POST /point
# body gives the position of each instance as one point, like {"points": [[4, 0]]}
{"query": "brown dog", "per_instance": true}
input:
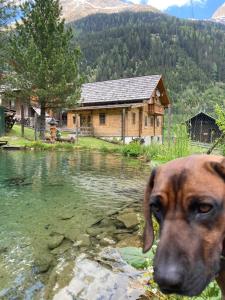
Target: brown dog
{"points": [[187, 198]]}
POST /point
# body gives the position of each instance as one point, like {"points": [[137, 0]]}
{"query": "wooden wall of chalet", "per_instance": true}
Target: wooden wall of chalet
{"points": [[151, 125]]}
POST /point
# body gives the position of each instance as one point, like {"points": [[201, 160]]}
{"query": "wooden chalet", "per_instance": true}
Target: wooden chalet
{"points": [[124, 109], [21, 107], [203, 128]]}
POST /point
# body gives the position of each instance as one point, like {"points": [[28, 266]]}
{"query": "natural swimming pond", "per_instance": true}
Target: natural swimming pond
{"points": [[47, 197]]}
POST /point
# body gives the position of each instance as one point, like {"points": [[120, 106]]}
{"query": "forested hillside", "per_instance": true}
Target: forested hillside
{"points": [[190, 54]]}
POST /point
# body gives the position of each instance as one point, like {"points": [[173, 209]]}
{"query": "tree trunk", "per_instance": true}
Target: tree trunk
{"points": [[60, 118], [42, 123], [22, 120]]}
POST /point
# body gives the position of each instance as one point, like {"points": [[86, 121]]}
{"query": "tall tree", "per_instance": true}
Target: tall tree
{"points": [[41, 53], [7, 11]]}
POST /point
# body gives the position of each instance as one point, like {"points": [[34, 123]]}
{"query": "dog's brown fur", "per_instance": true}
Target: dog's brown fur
{"points": [[187, 197]]}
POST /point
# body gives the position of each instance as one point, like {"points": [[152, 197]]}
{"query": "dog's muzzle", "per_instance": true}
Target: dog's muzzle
{"points": [[174, 278]]}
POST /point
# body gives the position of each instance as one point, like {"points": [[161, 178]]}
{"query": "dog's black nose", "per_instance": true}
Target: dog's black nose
{"points": [[169, 278]]}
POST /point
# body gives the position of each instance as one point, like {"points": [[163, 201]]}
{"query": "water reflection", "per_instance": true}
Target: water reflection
{"points": [[38, 188]]}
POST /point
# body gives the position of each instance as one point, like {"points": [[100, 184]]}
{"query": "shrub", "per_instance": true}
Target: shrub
{"points": [[132, 149], [153, 151]]}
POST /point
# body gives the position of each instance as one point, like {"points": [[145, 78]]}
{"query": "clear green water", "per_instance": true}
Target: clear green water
{"points": [[38, 188]]}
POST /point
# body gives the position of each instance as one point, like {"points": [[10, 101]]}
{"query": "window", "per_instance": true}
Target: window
{"points": [[82, 120], [146, 121], [158, 121], [74, 120], [102, 118], [133, 118], [89, 120], [151, 121]]}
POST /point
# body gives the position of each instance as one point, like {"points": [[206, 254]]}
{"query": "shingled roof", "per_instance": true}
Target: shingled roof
{"points": [[122, 90]]}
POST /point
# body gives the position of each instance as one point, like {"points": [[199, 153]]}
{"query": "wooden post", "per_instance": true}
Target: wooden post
{"points": [[123, 124], [154, 127], [200, 132], [169, 124], [77, 128], [22, 120], [42, 122], [140, 122], [60, 118], [35, 127]]}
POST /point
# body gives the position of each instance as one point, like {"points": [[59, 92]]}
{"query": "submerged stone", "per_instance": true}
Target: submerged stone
{"points": [[129, 220], [42, 263], [102, 235], [55, 241], [84, 240], [3, 249], [107, 242], [30, 292], [93, 231], [62, 248], [72, 234], [66, 216], [132, 241]]}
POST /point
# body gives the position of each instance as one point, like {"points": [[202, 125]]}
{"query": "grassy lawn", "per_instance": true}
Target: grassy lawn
{"points": [[14, 136], [156, 153], [93, 143], [14, 139]]}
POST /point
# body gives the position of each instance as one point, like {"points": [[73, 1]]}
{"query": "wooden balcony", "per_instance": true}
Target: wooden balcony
{"points": [[155, 109]]}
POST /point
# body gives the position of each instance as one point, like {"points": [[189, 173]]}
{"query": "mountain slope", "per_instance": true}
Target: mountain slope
{"points": [[190, 54], [77, 9], [219, 15]]}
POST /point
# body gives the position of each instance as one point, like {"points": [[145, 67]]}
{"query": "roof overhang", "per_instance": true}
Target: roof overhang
{"points": [[164, 98], [114, 106], [200, 113]]}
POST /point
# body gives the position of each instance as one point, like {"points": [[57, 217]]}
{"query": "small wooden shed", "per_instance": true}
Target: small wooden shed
{"points": [[203, 128]]}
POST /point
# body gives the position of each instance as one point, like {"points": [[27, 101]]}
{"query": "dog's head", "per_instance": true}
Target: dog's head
{"points": [[187, 198]]}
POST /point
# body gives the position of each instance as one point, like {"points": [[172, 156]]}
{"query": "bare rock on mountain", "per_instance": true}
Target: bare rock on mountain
{"points": [[219, 14], [77, 9]]}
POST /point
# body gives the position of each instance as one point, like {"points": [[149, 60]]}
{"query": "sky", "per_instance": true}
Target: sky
{"points": [[194, 9], [164, 4], [198, 9]]}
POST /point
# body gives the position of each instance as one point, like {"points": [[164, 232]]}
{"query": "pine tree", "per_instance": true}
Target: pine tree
{"points": [[7, 11], [41, 53]]}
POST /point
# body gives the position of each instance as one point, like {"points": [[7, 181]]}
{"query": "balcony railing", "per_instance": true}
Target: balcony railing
{"points": [[85, 130]]}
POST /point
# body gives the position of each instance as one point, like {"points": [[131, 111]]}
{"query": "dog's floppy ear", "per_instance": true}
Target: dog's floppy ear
{"points": [[219, 168], [148, 230]]}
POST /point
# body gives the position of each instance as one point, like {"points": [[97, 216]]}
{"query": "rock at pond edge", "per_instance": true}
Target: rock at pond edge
{"points": [[130, 220]]}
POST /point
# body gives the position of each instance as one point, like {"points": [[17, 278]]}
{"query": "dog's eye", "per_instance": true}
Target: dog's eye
{"points": [[155, 207], [204, 208]]}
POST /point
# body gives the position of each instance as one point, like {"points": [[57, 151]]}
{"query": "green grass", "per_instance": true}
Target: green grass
{"points": [[14, 136], [93, 143], [14, 139], [156, 153]]}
